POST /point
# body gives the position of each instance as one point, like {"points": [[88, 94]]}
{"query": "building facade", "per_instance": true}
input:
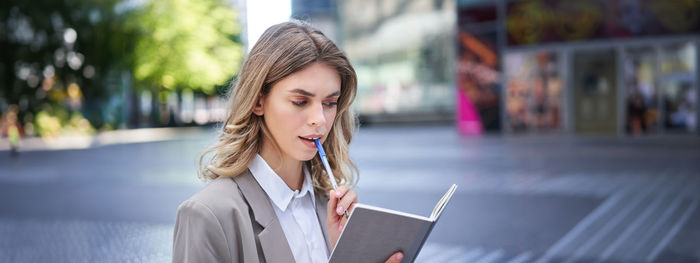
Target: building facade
{"points": [[589, 66]]}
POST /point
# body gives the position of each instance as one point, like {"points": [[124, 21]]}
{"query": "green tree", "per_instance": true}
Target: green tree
{"points": [[186, 44], [57, 50]]}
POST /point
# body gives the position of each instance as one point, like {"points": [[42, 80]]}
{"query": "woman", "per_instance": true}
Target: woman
{"points": [[269, 199]]}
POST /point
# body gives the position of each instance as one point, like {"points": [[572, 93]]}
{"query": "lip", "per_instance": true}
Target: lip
{"points": [[310, 144]]}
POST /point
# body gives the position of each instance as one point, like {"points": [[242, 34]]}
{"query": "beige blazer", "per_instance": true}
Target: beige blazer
{"points": [[232, 220]]}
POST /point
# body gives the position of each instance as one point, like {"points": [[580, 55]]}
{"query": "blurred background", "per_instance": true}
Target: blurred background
{"points": [[571, 127]]}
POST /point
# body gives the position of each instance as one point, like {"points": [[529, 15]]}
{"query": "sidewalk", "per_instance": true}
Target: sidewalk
{"points": [[103, 138]]}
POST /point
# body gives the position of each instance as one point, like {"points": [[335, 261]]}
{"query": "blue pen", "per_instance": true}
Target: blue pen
{"points": [[324, 159]]}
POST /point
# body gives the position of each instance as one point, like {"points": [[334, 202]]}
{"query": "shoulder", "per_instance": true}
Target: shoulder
{"points": [[218, 196], [205, 222]]}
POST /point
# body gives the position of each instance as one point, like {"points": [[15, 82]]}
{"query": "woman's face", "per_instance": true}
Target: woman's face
{"points": [[300, 107]]}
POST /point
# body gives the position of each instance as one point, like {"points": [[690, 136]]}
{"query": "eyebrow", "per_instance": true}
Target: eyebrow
{"points": [[309, 94]]}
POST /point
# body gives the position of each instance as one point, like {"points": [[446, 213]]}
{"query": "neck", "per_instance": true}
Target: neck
{"points": [[285, 167]]}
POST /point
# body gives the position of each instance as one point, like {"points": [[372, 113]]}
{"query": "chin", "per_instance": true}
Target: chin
{"points": [[305, 156]]}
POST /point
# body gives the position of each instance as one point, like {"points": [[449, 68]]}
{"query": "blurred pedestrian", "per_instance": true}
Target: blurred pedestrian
{"points": [[13, 130], [269, 199], [636, 112]]}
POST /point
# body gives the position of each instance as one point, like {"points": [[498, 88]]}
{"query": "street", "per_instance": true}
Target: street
{"points": [[544, 198]]}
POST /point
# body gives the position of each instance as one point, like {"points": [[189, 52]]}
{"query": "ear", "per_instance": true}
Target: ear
{"points": [[259, 109]]}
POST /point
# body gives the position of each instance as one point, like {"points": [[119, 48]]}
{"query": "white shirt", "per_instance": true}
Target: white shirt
{"points": [[295, 211]]}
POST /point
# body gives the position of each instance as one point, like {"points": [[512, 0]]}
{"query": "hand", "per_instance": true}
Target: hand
{"points": [[395, 258], [340, 200]]}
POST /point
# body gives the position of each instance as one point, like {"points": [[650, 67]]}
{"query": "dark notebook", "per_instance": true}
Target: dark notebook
{"points": [[373, 234]]}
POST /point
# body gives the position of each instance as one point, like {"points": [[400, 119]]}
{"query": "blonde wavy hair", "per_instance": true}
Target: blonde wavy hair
{"points": [[284, 49]]}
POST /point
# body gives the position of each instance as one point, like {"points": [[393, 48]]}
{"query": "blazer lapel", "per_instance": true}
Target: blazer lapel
{"points": [[321, 212], [272, 239]]}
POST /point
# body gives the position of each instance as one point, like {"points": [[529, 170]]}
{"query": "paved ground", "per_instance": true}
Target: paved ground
{"points": [[520, 198]]}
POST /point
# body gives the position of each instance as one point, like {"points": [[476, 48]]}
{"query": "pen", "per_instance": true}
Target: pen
{"points": [[324, 159]]}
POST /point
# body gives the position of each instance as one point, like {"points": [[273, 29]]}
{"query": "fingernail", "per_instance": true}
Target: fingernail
{"points": [[338, 194], [333, 192], [339, 210], [399, 256]]}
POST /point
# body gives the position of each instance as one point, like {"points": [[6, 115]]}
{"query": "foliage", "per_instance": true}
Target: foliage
{"points": [[186, 43], [54, 121], [89, 45]]}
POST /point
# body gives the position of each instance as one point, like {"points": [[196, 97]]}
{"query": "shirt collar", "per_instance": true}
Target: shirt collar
{"points": [[278, 191]]}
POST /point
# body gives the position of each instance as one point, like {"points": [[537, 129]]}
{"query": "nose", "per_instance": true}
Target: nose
{"points": [[317, 116]]}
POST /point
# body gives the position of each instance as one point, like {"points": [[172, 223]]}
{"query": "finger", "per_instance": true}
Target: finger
{"points": [[341, 190], [343, 220], [352, 206], [395, 258], [349, 198], [332, 202]]}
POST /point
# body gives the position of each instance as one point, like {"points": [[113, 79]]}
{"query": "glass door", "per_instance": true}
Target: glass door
{"points": [[679, 87], [595, 91], [641, 92]]}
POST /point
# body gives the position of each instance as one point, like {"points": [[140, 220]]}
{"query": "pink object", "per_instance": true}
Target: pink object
{"points": [[468, 121]]}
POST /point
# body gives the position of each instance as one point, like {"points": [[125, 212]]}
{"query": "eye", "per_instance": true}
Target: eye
{"points": [[330, 104], [299, 102]]}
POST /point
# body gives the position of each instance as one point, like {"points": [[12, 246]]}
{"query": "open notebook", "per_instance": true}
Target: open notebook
{"points": [[373, 234]]}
